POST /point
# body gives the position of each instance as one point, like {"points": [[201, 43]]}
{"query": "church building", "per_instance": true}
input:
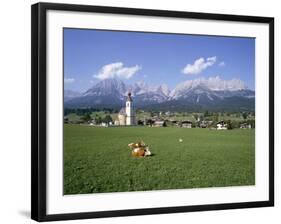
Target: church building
{"points": [[127, 115]]}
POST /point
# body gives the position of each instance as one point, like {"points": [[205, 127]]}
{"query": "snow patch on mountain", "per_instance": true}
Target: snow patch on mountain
{"points": [[107, 87], [210, 84], [143, 88]]}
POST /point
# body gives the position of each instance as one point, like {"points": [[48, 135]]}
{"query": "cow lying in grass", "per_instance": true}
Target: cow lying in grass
{"points": [[139, 149]]}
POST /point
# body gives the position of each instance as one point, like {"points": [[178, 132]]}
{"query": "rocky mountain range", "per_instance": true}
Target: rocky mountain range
{"points": [[192, 95]]}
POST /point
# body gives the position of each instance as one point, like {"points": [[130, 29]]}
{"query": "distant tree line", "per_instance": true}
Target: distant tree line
{"points": [[97, 119], [84, 111]]}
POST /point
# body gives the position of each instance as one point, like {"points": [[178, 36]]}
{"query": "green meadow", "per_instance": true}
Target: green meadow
{"points": [[98, 159]]}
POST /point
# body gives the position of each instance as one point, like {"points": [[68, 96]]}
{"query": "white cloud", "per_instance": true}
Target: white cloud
{"points": [[117, 70], [199, 65], [69, 80], [222, 64]]}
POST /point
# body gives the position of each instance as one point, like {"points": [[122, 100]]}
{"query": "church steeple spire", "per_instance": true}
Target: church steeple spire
{"points": [[129, 97], [130, 114]]}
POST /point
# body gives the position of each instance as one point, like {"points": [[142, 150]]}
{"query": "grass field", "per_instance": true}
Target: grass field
{"points": [[99, 160]]}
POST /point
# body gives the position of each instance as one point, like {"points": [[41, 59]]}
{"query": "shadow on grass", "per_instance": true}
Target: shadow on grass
{"points": [[152, 155]]}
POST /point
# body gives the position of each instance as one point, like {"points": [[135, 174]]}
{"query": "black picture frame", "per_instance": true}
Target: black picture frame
{"points": [[38, 108]]}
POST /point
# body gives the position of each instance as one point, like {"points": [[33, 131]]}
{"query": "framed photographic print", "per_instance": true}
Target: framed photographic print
{"points": [[139, 111]]}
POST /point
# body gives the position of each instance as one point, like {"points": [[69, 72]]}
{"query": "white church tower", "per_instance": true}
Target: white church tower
{"points": [[130, 114]]}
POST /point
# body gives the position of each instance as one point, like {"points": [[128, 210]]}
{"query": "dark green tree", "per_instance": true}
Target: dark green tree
{"points": [[229, 125], [98, 119], [86, 117], [149, 122], [206, 114], [251, 122], [215, 117], [235, 124], [107, 119], [244, 115]]}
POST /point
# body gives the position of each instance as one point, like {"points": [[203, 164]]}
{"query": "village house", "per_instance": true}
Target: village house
{"points": [[221, 125], [245, 126], [168, 113], [92, 122], [186, 124], [204, 124], [159, 124], [103, 124]]}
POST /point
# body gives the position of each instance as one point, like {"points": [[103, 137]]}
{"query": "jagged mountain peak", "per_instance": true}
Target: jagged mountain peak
{"points": [[107, 87], [163, 88], [143, 88], [207, 85], [201, 92]]}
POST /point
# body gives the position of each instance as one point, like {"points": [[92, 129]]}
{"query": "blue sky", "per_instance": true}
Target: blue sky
{"points": [[93, 55]]}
